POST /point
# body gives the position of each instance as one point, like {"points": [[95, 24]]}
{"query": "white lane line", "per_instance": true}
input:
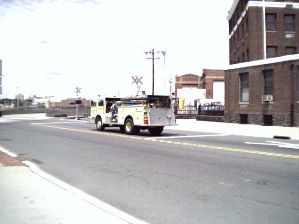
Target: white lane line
{"points": [[28, 118], [7, 121], [8, 152], [79, 194], [74, 120], [274, 143], [59, 122], [189, 136]]}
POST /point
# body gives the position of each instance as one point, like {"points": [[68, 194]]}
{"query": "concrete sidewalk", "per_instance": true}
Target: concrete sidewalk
{"points": [[236, 129], [28, 197]]}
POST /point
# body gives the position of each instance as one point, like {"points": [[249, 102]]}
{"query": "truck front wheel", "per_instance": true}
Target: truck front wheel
{"points": [[130, 129], [156, 130]]}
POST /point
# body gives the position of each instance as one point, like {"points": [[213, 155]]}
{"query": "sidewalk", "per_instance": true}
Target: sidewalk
{"points": [[26, 197], [236, 129]]}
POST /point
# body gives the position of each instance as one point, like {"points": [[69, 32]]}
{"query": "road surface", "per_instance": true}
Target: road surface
{"points": [[179, 177]]}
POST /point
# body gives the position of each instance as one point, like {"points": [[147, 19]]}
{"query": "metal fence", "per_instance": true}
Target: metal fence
{"points": [[211, 109], [53, 111]]}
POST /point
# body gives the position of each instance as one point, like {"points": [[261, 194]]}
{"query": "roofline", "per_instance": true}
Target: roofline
{"points": [[264, 61], [271, 4], [186, 75], [232, 9], [213, 71]]}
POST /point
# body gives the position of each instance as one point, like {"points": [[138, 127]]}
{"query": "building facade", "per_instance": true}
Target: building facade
{"points": [[262, 29], [0, 77], [212, 81], [187, 81], [262, 82], [263, 92], [70, 101]]}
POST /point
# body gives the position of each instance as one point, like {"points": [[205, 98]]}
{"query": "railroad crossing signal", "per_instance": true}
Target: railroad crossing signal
{"points": [[138, 82], [78, 91]]}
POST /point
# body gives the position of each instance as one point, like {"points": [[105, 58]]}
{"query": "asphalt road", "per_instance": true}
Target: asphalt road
{"points": [[180, 177]]}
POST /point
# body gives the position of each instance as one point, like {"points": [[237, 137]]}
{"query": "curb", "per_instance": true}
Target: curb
{"points": [[91, 200]]}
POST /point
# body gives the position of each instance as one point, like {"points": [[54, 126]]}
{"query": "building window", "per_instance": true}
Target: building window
{"points": [[289, 23], [246, 23], [242, 30], [247, 52], [268, 82], [297, 84], [291, 50], [243, 118], [267, 120], [271, 51], [271, 22], [244, 87]]}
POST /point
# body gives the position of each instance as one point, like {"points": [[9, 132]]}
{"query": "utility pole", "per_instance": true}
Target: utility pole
{"points": [[18, 97], [152, 57]]}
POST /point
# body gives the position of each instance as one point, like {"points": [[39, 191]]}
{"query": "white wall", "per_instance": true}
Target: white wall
{"points": [[191, 94], [218, 91]]}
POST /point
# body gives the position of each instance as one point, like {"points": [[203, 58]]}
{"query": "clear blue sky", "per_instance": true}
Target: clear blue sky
{"points": [[50, 47]]}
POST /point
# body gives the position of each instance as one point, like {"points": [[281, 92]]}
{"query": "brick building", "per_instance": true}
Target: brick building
{"points": [[263, 92], [188, 80], [259, 30], [0, 77], [213, 82], [70, 101], [262, 82]]}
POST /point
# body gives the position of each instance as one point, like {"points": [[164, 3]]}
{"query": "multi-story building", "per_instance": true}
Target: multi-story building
{"points": [[262, 29], [262, 82]]}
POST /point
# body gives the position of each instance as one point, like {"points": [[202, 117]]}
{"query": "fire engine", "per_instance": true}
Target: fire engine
{"points": [[152, 112]]}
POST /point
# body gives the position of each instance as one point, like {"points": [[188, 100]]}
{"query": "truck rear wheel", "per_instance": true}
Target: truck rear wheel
{"points": [[156, 130], [99, 124], [130, 128]]}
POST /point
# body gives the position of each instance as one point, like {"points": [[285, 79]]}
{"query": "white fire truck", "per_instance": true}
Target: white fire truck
{"points": [[131, 115]]}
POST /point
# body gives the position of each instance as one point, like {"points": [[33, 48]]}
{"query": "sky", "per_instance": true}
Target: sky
{"points": [[50, 47]]}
